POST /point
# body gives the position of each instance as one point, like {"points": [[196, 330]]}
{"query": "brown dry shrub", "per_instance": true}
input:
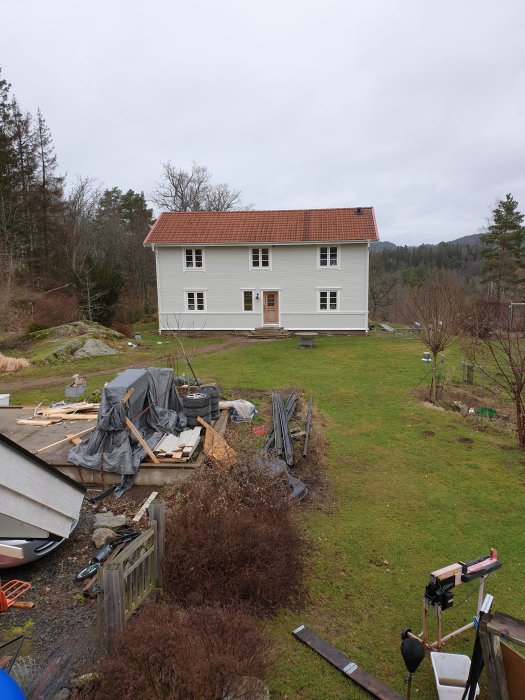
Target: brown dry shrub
{"points": [[170, 653], [56, 308], [232, 538], [12, 364], [123, 328]]}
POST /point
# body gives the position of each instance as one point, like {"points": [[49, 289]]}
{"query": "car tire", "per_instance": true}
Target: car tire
{"points": [[194, 412], [195, 401], [194, 423]]}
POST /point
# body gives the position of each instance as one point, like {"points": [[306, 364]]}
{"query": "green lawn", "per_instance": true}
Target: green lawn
{"points": [[414, 500], [404, 490]]}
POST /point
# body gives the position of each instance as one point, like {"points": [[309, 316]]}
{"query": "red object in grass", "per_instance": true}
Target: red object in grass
{"points": [[10, 591], [258, 429]]}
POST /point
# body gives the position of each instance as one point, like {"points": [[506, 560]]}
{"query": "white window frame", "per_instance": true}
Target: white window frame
{"points": [[328, 291], [260, 267], [328, 266], [187, 292], [193, 268], [243, 292]]}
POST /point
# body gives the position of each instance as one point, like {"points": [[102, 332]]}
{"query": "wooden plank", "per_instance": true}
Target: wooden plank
{"points": [[514, 671], [74, 416], [142, 442], [144, 506], [351, 670], [157, 514], [490, 644], [66, 439], [37, 421], [113, 602], [509, 627]]}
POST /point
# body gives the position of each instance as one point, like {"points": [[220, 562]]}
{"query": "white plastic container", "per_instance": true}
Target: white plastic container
{"points": [[451, 673], [4, 399]]}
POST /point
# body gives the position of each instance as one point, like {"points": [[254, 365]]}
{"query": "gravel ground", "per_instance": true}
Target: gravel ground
{"points": [[61, 628]]}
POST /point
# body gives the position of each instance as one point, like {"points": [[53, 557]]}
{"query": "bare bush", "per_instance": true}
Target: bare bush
{"points": [[231, 538], [170, 653], [56, 308], [12, 364]]}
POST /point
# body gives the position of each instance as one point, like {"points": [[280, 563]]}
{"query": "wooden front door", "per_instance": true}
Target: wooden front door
{"points": [[270, 307]]}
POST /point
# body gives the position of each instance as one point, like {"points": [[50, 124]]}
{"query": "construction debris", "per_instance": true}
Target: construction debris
{"points": [[61, 412], [216, 446]]}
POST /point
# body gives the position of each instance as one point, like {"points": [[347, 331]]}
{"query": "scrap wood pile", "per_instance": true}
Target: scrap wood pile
{"points": [[62, 412]]}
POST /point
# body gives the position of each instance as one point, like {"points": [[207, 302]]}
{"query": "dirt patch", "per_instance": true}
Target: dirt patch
{"points": [[429, 433], [465, 440]]}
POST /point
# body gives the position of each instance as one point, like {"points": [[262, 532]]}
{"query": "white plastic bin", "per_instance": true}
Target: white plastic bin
{"points": [[451, 673], [4, 399]]}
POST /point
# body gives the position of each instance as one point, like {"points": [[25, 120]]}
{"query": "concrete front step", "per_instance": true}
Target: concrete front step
{"points": [[269, 333]]}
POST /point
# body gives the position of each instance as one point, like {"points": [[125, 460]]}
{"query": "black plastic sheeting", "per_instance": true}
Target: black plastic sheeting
{"points": [[154, 408]]}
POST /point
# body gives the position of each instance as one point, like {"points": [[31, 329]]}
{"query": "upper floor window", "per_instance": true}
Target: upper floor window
{"points": [[193, 259], [259, 258], [328, 256], [196, 301]]}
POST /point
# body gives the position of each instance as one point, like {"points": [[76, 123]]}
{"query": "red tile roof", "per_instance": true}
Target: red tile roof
{"points": [[293, 226]]}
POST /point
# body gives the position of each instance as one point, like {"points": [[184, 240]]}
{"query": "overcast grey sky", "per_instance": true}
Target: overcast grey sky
{"points": [[414, 107]]}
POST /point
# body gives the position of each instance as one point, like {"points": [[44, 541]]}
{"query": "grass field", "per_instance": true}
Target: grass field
{"points": [[408, 494]]}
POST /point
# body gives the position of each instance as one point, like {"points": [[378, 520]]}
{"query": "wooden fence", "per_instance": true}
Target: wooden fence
{"points": [[131, 576]]}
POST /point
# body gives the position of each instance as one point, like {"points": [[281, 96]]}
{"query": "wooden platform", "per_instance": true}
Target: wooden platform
{"points": [[34, 437]]}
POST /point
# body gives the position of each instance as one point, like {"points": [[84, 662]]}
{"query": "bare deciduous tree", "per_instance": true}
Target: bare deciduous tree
{"points": [[500, 356], [439, 307], [180, 190]]}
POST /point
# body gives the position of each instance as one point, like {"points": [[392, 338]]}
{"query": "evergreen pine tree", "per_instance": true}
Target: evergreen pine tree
{"points": [[503, 249]]}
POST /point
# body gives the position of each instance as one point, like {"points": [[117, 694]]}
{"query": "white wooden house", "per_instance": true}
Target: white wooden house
{"points": [[302, 270]]}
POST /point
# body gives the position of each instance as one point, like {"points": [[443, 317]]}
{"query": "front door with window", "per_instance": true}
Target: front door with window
{"points": [[270, 308]]}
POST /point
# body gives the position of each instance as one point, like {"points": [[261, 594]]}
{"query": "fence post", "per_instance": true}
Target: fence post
{"points": [[114, 601], [157, 513]]}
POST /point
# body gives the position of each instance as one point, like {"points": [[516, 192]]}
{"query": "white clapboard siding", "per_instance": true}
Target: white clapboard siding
{"points": [[36, 494], [10, 527], [294, 273]]}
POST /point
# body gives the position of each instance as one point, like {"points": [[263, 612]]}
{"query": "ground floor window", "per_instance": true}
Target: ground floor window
{"points": [[247, 300], [328, 300], [196, 301]]}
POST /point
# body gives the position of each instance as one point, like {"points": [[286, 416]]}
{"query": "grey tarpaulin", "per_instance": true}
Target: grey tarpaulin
{"points": [[154, 407]]}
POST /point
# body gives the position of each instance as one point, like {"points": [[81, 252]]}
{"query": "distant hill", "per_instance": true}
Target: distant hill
{"points": [[376, 246], [473, 240]]}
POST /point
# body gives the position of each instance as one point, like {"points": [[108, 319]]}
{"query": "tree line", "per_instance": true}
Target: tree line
{"points": [[74, 236], [493, 268]]}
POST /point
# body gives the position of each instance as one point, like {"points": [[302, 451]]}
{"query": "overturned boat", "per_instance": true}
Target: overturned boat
{"points": [[39, 506]]}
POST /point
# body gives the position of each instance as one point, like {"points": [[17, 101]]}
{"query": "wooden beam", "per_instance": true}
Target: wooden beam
{"points": [[490, 644], [153, 495], [342, 663], [509, 627], [142, 442], [68, 437]]}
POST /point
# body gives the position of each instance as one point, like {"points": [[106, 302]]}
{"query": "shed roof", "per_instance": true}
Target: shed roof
{"points": [[281, 226]]}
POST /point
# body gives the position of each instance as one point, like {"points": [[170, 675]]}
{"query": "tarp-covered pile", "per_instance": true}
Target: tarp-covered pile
{"points": [[153, 407]]}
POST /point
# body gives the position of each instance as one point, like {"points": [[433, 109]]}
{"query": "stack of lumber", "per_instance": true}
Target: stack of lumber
{"points": [[57, 414], [178, 448]]}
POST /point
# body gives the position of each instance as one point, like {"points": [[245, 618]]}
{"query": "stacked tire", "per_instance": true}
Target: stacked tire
{"points": [[196, 405], [214, 392]]}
